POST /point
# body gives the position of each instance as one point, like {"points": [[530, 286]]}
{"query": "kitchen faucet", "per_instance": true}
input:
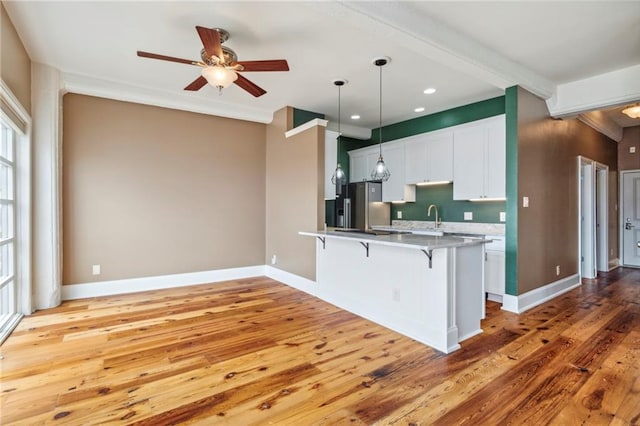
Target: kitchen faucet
{"points": [[437, 221]]}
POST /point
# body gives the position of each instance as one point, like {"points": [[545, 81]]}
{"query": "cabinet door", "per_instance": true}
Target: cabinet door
{"points": [[357, 167], [330, 162], [468, 162], [494, 279], [496, 158], [415, 163], [440, 157], [395, 188]]}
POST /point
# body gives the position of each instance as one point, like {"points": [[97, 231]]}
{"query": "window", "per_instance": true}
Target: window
{"points": [[8, 285], [15, 211]]}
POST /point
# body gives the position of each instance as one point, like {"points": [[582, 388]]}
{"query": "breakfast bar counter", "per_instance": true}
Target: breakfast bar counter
{"points": [[429, 288]]}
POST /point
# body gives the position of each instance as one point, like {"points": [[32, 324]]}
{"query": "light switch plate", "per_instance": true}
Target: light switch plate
{"points": [[399, 214], [525, 201], [632, 149], [503, 216], [468, 215]]}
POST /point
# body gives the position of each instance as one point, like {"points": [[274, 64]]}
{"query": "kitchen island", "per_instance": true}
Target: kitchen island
{"points": [[429, 288]]}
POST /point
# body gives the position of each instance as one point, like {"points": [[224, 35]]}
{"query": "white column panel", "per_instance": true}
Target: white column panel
{"points": [[47, 235]]}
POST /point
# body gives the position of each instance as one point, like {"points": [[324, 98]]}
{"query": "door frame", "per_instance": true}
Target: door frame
{"points": [[598, 190], [621, 215], [602, 216]]}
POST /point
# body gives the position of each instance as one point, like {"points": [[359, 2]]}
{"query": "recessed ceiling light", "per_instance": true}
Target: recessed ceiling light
{"points": [[429, 91], [419, 109], [355, 117]]}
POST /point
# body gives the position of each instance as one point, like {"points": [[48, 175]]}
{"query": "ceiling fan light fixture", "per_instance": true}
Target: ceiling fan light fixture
{"points": [[219, 76], [632, 111]]}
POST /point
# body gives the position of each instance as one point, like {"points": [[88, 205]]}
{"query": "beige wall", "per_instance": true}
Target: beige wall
{"points": [[547, 174], [15, 65], [295, 194], [152, 191], [626, 159]]}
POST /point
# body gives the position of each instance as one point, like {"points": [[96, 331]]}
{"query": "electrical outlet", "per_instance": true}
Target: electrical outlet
{"points": [[557, 270], [468, 215], [274, 259], [395, 294], [399, 214], [632, 149], [95, 269], [503, 216], [525, 201]]}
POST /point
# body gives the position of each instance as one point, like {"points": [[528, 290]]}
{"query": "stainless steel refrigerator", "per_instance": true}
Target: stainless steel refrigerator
{"points": [[363, 206]]}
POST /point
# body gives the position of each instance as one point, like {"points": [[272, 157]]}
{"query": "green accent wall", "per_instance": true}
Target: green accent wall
{"points": [[450, 210], [441, 195], [511, 228], [301, 116]]}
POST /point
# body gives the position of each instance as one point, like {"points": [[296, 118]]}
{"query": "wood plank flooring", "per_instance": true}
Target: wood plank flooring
{"points": [[255, 351]]}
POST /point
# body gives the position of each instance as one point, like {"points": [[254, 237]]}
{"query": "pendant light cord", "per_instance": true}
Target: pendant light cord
{"points": [[338, 145], [380, 121]]}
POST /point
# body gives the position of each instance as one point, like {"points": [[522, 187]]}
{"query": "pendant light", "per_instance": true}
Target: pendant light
{"points": [[338, 177], [380, 172]]}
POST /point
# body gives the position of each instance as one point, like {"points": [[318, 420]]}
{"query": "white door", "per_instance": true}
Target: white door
{"points": [[602, 217], [587, 221], [631, 219]]}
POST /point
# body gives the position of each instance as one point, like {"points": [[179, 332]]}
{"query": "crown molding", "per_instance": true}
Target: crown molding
{"points": [[597, 92], [306, 126], [350, 131], [603, 124], [91, 86]]}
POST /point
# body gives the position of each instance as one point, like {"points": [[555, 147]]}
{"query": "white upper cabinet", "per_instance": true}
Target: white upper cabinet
{"points": [[395, 189], [330, 163], [479, 158], [361, 163], [429, 157], [496, 158]]}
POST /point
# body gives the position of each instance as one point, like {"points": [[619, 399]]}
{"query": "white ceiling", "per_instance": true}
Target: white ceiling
{"points": [[469, 51]]}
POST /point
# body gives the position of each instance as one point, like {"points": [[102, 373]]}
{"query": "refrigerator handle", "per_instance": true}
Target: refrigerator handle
{"points": [[347, 213]]}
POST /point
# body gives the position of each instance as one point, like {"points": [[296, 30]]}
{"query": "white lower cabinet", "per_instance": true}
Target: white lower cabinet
{"points": [[494, 268]]}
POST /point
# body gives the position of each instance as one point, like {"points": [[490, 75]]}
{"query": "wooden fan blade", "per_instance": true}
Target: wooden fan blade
{"points": [[211, 42], [166, 58], [249, 86], [269, 65], [197, 84]]}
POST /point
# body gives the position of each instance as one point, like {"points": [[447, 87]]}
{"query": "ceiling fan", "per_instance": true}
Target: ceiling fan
{"points": [[220, 65]]}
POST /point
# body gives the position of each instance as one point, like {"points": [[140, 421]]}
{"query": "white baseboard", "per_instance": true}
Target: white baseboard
{"points": [[292, 280], [613, 264], [494, 297], [134, 285], [519, 304]]}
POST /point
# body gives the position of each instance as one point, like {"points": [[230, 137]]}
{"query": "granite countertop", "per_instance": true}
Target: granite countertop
{"points": [[421, 242], [470, 228]]}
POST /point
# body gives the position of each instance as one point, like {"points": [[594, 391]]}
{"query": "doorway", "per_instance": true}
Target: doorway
{"points": [[593, 217], [630, 218]]}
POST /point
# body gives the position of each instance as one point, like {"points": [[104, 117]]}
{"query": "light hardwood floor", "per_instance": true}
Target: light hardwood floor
{"points": [[255, 351]]}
